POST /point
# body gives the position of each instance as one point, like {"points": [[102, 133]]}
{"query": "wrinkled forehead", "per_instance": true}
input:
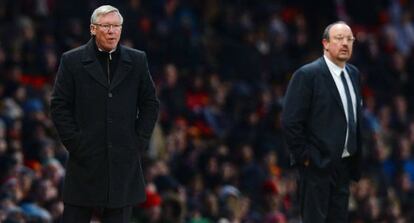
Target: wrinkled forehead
{"points": [[340, 30], [109, 17]]}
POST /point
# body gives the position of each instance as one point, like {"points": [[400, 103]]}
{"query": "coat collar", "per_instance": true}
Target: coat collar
{"points": [[91, 64]]}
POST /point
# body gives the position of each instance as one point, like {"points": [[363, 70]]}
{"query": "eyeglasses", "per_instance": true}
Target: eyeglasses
{"points": [[107, 27], [349, 39]]}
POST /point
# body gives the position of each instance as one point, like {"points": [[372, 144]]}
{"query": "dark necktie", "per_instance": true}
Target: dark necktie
{"points": [[352, 142]]}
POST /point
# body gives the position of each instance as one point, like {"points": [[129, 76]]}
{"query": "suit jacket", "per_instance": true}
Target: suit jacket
{"points": [[314, 119], [104, 127]]}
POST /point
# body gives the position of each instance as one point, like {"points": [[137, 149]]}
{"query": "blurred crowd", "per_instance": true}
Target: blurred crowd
{"points": [[221, 69]]}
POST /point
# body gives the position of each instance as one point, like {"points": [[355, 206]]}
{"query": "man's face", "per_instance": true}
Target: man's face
{"points": [[339, 46], [107, 31]]}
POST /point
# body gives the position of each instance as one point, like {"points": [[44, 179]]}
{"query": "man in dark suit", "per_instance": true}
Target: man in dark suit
{"points": [[104, 108], [321, 120]]}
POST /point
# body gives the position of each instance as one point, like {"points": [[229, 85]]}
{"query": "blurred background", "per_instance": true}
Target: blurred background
{"points": [[221, 68]]}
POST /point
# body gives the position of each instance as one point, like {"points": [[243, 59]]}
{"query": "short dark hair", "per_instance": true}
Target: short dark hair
{"points": [[325, 34]]}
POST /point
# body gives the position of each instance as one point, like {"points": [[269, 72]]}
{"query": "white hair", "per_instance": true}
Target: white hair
{"points": [[103, 10]]}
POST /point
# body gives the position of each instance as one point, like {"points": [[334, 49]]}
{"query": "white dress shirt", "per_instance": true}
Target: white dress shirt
{"points": [[336, 75]]}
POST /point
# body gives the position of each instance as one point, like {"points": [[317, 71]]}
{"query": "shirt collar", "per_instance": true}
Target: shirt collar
{"points": [[335, 69], [101, 50]]}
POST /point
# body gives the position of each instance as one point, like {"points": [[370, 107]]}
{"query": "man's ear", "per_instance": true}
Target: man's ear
{"points": [[325, 44], [93, 30]]}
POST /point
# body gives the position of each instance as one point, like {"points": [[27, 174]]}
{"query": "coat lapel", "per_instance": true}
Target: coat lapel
{"points": [[91, 64], [123, 68], [331, 83], [354, 80]]}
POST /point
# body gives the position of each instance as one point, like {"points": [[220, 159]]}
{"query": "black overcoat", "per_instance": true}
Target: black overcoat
{"points": [[104, 126]]}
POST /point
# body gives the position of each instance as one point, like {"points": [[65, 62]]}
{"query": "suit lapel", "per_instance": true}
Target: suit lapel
{"points": [[123, 68], [354, 80], [331, 83], [91, 64]]}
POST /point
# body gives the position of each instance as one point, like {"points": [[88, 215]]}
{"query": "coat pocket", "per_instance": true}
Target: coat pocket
{"points": [[140, 143], [73, 143]]}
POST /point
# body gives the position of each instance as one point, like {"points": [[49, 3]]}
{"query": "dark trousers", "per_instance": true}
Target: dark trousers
{"points": [[77, 214], [324, 194]]}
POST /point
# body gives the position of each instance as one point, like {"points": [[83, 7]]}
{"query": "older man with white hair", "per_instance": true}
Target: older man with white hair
{"points": [[104, 108]]}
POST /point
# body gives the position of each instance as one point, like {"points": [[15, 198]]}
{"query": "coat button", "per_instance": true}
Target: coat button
{"points": [[110, 94], [110, 145]]}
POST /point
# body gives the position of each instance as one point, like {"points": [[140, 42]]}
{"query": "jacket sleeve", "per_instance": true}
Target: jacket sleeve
{"points": [[296, 110], [148, 105], [62, 107]]}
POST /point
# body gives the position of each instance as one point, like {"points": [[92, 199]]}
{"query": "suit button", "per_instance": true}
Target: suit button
{"points": [[110, 94], [109, 145]]}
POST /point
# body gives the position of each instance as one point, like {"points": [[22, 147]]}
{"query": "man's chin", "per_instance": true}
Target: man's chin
{"points": [[344, 58], [110, 47]]}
